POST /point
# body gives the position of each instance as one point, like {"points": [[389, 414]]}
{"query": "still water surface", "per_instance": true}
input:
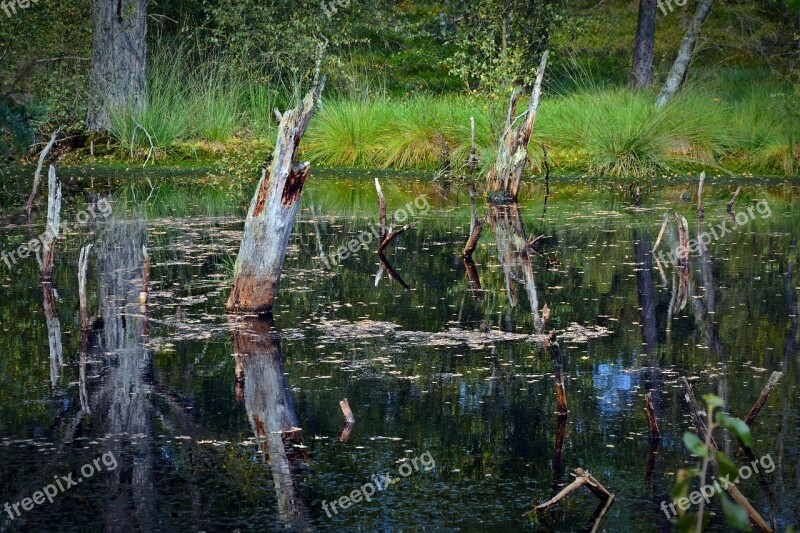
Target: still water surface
{"points": [[221, 424]]}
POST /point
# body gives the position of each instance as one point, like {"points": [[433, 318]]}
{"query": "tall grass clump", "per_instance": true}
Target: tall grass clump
{"points": [[618, 132], [165, 112], [345, 132], [215, 103]]}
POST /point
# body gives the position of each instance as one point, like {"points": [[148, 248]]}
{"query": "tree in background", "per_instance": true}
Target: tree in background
{"points": [[643, 46], [119, 59], [499, 42]]}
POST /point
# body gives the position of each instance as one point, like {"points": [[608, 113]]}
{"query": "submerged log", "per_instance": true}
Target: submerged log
{"points": [[53, 224], [512, 156], [271, 215]]}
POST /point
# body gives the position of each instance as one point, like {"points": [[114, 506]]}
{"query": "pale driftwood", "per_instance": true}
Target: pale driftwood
{"points": [[145, 276], [702, 433], [762, 398], [37, 177], [83, 267], [677, 74], [271, 215], [733, 200], [700, 208], [53, 224], [652, 421], [582, 477], [381, 210], [512, 156], [661, 233]]}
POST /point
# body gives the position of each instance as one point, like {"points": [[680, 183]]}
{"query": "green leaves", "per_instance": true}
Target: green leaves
{"points": [[695, 445], [726, 467], [735, 515], [737, 427]]}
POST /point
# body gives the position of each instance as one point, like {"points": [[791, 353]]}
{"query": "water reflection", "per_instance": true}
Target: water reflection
{"points": [[261, 382]]}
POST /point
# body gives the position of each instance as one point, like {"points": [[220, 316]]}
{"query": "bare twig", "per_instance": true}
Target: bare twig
{"points": [[37, 177]]}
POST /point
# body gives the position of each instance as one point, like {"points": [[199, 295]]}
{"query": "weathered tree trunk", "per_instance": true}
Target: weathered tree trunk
{"points": [[53, 224], [512, 157], [119, 58], [680, 67], [271, 216], [642, 72]]}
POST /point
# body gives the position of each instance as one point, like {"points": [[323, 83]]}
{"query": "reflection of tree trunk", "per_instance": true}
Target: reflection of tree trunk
{"points": [[513, 252], [474, 279], [53, 333], [270, 407], [646, 290], [123, 402]]}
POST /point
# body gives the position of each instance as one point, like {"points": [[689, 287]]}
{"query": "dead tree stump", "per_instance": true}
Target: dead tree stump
{"points": [[512, 156], [271, 215]]}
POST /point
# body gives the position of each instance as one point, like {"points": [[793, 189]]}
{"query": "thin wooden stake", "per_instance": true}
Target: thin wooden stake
{"points": [[83, 267], [733, 200], [381, 210], [349, 420], [37, 177], [700, 208], [53, 224], [661, 233], [683, 237], [145, 277], [652, 421]]}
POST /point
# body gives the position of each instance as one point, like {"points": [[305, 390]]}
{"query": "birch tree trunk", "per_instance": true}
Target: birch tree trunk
{"points": [[642, 72], [271, 216], [677, 74], [512, 157], [119, 58]]}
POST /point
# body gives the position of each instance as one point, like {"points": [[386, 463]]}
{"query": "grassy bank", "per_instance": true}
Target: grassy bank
{"points": [[590, 128], [727, 122]]}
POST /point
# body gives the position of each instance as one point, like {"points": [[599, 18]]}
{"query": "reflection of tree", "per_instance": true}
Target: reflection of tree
{"points": [[269, 404], [123, 402], [53, 332], [514, 252]]}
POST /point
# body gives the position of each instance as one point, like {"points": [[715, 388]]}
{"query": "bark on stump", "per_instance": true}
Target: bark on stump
{"points": [[271, 216]]}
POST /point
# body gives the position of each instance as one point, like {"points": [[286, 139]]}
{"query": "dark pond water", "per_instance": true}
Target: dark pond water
{"points": [[219, 424]]}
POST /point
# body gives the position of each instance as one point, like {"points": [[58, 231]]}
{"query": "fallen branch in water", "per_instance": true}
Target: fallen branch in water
{"points": [[582, 478]]}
